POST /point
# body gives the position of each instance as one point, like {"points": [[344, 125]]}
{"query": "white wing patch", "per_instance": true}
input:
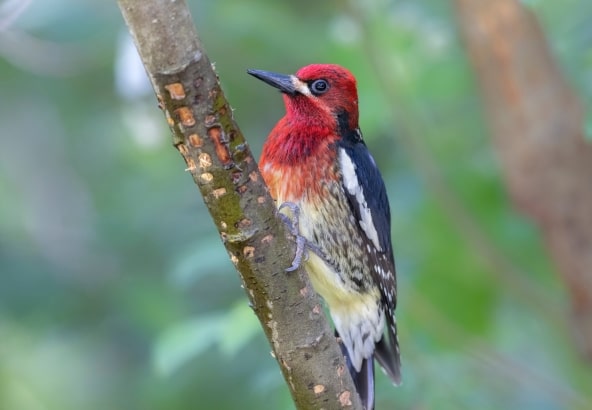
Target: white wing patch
{"points": [[353, 187]]}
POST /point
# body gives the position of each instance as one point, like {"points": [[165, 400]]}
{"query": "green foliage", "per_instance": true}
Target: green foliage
{"points": [[230, 331], [115, 291]]}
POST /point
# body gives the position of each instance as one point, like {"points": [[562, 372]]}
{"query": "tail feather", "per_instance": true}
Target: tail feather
{"points": [[364, 379], [387, 353], [344, 352]]}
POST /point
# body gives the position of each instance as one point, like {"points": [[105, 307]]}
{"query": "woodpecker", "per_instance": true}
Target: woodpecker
{"points": [[316, 163]]}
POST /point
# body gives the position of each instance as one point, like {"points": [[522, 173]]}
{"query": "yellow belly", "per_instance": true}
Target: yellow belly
{"points": [[357, 317]]}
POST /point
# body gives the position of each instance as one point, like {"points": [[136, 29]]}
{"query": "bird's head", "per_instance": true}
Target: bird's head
{"points": [[317, 93]]}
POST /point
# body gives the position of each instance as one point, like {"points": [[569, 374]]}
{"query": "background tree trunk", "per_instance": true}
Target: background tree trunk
{"points": [[537, 127]]}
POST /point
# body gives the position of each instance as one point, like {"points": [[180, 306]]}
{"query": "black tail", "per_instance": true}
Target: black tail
{"points": [[363, 380], [387, 353]]}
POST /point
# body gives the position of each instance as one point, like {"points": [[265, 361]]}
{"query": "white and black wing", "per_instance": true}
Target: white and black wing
{"points": [[366, 193]]}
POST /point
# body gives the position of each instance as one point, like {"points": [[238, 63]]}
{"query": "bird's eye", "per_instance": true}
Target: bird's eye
{"points": [[319, 87]]}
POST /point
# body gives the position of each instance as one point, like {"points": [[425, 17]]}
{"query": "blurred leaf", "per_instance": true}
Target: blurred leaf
{"points": [[240, 326], [184, 341], [230, 331]]}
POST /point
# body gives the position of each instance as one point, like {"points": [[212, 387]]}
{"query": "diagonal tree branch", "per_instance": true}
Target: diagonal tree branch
{"points": [[226, 173]]}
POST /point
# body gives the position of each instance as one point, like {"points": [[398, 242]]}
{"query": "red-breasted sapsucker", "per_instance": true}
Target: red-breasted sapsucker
{"points": [[316, 161]]}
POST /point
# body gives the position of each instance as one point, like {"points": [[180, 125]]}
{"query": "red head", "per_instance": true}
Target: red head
{"points": [[321, 108], [319, 95]]}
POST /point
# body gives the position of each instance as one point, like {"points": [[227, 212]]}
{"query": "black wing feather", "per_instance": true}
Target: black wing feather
{"points": [[370, 179]]}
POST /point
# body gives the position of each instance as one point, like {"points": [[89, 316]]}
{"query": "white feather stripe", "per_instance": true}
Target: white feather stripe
{"points": [[354, 188]]}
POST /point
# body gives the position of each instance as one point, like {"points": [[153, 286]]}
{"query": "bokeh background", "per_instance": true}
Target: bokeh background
{"points": [[115, 290]]}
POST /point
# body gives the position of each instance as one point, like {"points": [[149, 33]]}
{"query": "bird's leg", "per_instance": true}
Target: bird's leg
{"points": [[292, 224], [302, 245]]}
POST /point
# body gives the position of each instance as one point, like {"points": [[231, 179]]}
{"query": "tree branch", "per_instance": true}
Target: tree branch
{"points": [[538, 133], [226, 173]]}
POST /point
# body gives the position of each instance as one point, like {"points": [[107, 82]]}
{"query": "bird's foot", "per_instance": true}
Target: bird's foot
{"points": [[302, 245], [292, 224]]}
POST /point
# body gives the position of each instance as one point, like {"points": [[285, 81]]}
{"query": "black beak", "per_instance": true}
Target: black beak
{"points": [[282, 82]]}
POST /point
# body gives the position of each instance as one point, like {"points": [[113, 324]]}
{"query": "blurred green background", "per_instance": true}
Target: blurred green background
{"points": [[115, 291]]}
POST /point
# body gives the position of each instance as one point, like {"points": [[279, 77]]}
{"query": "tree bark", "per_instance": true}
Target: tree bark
{"points": [[226, 173], [537, 127]]}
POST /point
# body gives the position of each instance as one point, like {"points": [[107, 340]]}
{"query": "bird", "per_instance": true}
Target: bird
{"points": [[318, 169]]}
